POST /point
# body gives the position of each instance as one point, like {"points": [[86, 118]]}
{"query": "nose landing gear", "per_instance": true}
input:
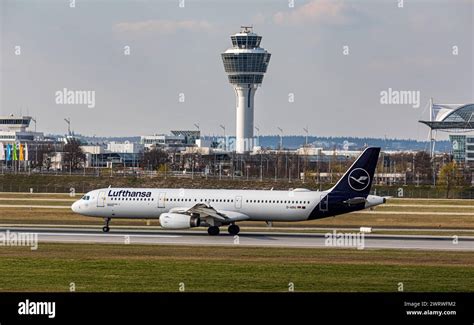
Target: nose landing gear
{"points": [[106, 227]]}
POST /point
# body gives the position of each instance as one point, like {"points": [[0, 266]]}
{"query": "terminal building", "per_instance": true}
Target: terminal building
{"points": [[124, 147], [15, 129], [458, 120], [177, 140], [463, 148]]}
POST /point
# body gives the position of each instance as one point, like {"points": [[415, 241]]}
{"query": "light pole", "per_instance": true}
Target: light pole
{"points": [[258, 134], [281, 137], [68, 122], [225, 139], [306, 140], [196, 125], [276, 168]]}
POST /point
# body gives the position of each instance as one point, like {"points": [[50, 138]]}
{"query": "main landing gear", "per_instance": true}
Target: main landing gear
{"points": [[106, 227], [213, 230], [233, 229]]}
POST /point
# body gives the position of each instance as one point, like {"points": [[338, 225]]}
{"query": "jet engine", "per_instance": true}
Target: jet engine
{"points": [[178, 221]]}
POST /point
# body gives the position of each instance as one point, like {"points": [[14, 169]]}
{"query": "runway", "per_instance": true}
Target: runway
{"points": [[257, 239]]}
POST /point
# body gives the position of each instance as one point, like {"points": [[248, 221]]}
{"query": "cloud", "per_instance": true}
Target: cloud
{"points": [[259, 19], [398, 64], [316, 11], [163, 26]]}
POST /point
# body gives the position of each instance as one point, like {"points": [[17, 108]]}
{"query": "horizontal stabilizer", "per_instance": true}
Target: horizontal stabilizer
{"points": [[355, 200]]}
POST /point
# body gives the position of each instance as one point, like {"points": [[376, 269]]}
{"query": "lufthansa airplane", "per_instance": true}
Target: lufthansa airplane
{"points": [[188, 208]]}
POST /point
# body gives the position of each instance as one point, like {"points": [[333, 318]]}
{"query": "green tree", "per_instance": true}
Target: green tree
{"points": [[154, 158], [73, 157], [448, 176], [423, 166]]}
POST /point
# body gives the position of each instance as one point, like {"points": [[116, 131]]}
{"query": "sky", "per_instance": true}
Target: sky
{"points": [[333, 58]]}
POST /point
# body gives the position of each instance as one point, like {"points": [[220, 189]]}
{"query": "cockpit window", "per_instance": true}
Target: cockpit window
{"points": [[86, 197]]}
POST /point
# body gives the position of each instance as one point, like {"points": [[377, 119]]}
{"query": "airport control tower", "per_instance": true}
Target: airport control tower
{"points": [[245, 64]]}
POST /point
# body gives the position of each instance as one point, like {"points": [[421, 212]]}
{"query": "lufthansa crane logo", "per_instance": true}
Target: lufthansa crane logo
{"points": [[359, 179]]}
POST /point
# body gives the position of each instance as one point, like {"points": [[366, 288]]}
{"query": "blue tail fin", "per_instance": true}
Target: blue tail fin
{"points": [[358, 178]]}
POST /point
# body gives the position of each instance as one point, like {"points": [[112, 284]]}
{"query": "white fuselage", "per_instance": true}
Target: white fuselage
{"points": [[188, 208], [266, 205]]}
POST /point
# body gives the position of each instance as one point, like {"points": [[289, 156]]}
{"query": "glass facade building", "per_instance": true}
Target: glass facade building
{"points": [[458, 147], [462, 148], [460, 118]]}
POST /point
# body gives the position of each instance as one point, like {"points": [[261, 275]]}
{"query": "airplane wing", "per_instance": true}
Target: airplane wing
{"points": [[207, 211]]}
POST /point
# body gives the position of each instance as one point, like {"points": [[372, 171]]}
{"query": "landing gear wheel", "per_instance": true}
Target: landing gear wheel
{"points": [[213, 231], [106, 227], [233, 230]]}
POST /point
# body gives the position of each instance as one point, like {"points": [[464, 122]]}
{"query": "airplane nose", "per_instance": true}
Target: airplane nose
{"points": [[75, 207]]}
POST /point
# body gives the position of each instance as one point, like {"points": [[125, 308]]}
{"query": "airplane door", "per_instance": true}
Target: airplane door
{"points": [[161, 199], [238, 202], [101, 199], [324, 202]]}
